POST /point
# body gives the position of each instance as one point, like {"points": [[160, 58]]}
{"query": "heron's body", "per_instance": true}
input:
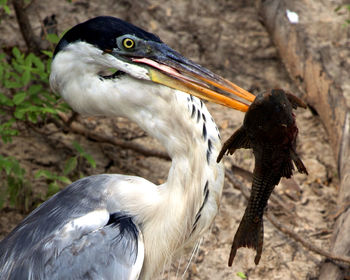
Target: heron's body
{"points": [[115, 226], [170, 209]]}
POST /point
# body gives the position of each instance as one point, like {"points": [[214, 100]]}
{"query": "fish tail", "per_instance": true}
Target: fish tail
{"points": [[250, 234], [298, 163]]}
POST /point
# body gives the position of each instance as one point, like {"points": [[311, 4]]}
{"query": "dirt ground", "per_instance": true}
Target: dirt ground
{"points": [[228, 38]]}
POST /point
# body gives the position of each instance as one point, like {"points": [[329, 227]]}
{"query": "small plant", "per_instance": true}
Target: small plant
{"points": [[53, 179], [241, 275], [70, 170], [26, 101], [25, 96], [347, 9], [15, 187], [84, 154], [4, 6]]}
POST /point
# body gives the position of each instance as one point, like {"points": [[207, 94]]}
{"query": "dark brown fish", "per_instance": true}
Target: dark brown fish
{"points": [[269, 129]]}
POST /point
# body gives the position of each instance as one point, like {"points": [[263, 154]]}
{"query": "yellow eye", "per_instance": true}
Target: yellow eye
{"points": [[128, 43]]}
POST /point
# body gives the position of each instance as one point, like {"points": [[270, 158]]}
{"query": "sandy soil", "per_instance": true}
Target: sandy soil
{"points": [[227, 37]]}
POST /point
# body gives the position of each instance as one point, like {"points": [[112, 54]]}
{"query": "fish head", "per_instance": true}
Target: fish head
{"points": [[270, 118]]}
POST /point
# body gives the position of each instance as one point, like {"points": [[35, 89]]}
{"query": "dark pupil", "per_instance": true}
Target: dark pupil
{"points": [[128, 43]]}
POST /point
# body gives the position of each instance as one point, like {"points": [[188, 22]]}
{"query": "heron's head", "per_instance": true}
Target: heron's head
{"points": [[104, 42]]}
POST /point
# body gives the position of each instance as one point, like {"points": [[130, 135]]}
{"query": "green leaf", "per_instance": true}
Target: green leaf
{"points": [[17, 54], [45, 173], [28, 61], [18, 170], [84, 154], [4, 100], [6, 131], [337, 8], [6, 135], [38, 63], [12, 84], [34, 89], [36, 100], [1, 74], [48, 53], [19, 97], [241, 275], [19, 114], [64, 107], [7, 165], [78, 147], [70, 165], [11, 166], [7, 11], [18, 67], [49, 97], [53, 38], [90, 159], [49, 110], [26, 77], [64, 179], [53, 188], [32, 117]]}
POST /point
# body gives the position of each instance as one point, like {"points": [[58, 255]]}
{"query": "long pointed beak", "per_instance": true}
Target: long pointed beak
{"points": [[169, 68]]}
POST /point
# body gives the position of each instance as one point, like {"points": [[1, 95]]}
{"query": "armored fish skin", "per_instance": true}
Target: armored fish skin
{"points": [[269, 128]]}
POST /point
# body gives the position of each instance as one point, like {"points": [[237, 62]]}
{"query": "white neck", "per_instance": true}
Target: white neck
{"points": [[193, 188], [181, 123]]}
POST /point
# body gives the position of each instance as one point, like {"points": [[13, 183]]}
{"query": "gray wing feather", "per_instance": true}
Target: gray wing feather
{"points": [[38, 248], [108, 253]]}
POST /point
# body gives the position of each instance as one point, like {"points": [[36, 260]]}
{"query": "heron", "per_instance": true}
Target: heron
{"points": [[113, 226]]}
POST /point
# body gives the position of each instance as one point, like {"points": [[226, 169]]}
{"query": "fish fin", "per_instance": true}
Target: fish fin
{"points": [[250, 234], [287, 170], [298, 163], [238, 140], [295, 101]]}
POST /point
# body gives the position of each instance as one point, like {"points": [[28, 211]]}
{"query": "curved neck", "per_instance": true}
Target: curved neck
{"points": [[182, 124]]}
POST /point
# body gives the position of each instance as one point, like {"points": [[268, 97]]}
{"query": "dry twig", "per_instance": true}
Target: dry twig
{"points": [[306, 243], [33, 42], [78, 128]]}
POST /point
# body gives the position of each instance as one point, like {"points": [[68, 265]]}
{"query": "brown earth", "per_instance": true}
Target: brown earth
{"points": [[227, 37]]}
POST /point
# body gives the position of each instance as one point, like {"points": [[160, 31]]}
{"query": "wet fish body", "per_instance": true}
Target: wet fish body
{"points": [[269, 128]]}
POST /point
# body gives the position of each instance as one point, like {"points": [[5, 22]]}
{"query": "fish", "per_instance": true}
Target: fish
{"points": [[269, 129]]}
